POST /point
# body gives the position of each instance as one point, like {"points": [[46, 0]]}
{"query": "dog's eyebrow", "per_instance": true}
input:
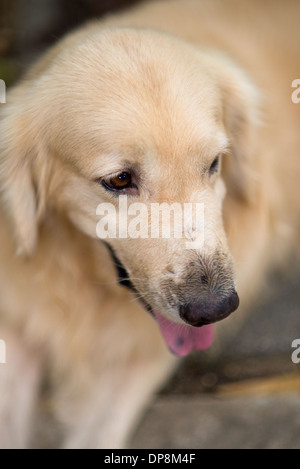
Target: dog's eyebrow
{"points": [[104, 169], [223, 142], [217, 144]]}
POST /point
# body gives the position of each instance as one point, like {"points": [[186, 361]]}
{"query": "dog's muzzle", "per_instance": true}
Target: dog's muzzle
{"points": [[208, 311]]}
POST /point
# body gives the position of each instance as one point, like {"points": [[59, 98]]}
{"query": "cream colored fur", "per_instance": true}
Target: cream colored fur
{"points": [[121, 92]]}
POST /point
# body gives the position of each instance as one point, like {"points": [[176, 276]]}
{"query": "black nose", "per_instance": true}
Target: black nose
{"points": [[209, 310]]}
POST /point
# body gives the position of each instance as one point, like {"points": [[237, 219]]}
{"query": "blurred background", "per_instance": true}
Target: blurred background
{"points": [[245, 394], [27, 27]]}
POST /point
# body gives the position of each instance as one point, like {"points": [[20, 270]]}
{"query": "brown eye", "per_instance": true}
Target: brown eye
{"points": [[119, 182], [214, 166]]}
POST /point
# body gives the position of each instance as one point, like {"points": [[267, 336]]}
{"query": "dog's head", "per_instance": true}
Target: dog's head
{"points": [[125, 124]]}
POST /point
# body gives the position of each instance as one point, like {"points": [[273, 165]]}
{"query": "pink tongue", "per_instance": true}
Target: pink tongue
{"points": [[182, 339]]}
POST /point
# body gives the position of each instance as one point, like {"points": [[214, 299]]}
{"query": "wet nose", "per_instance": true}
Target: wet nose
{"points": [[209, 310]]}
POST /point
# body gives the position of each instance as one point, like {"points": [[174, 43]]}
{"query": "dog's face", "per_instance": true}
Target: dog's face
{"points": [[142, 115]]}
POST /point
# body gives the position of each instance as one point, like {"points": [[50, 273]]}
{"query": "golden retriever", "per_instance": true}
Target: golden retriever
{"points": [[175, 102]]}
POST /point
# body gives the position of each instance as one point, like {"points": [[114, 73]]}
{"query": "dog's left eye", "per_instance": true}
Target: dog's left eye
{"points": [[119, 182], [215, 165]]}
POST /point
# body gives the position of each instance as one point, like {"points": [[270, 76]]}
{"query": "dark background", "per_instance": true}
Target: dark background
{"points": [[27, 27]]}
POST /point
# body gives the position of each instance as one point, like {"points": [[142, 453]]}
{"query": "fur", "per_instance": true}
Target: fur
{"points": [[163, 89]]}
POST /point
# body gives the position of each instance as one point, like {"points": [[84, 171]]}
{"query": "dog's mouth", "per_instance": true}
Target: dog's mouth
{"points": [[181, 339]]}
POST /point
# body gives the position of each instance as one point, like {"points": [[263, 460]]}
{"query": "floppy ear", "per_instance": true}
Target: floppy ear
{"points": [[19, 156], [241, 102]]}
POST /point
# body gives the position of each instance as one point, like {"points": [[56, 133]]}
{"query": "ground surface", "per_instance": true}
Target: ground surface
{"points": [[245, 397]]}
